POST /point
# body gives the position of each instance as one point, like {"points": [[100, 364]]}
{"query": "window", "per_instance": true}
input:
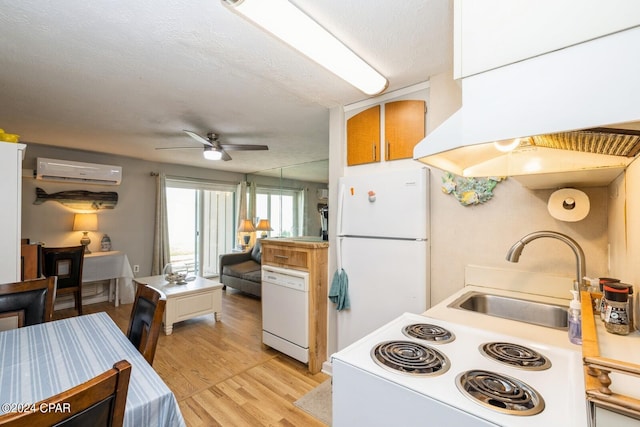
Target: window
{"points": [[201, 224], [283, 208]]}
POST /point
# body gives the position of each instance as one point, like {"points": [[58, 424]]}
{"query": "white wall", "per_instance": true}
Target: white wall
{"points": [[130, 224], [624, 226], [482, 235]]}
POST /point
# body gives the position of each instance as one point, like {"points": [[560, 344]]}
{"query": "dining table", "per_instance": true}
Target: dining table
{"points": [[40, 361], [112, 266]]}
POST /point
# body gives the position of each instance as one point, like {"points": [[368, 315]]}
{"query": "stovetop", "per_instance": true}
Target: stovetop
{"points": [[553, 375]]}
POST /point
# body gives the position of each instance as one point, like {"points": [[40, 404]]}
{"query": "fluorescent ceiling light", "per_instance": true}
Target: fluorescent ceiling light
{"points": [[211, 154], [288, 23]]}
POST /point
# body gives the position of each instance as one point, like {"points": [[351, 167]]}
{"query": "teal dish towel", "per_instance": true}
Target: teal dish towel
{"points": [[339, 292]]}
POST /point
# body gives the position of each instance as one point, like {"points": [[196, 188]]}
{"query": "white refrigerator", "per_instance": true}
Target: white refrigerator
{"points": [[383, 246]]}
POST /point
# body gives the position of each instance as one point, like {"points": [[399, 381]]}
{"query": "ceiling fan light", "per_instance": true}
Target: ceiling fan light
{"points": [[211, 154], [298, 30]]}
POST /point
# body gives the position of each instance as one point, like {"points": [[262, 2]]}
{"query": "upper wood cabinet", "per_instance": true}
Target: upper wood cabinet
{"points": [[363, 137], [404, 127]]}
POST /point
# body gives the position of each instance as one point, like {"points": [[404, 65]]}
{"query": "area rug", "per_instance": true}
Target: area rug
{"points": [[317, 402]]}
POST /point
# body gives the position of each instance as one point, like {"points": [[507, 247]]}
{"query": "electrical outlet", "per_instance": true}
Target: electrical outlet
{"points": [[136, 268]]}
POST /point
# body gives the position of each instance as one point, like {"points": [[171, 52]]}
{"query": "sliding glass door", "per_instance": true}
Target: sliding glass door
{"points": [[201, 224]]}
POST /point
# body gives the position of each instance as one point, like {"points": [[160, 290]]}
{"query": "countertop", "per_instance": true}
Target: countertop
{"points": [[625, 348], [308, 242]]}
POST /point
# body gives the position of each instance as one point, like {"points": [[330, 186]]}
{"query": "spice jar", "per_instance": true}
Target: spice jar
{"points": [[616, 318], [603, 281]]}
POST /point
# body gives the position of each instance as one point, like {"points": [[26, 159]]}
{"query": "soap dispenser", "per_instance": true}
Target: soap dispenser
{"points": [[574, 317]]}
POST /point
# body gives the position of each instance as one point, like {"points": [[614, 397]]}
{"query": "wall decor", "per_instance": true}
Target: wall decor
{"points": [[79, 199], [470, 191]]}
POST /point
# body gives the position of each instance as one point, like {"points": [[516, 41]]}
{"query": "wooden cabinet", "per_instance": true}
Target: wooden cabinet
{"points": [[363, 137], [404, 127], [311, 257], [10, 215]]}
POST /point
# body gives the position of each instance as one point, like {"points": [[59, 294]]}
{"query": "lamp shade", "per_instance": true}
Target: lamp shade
{"points": [[264, 225], [85, 222], [246, 226]]}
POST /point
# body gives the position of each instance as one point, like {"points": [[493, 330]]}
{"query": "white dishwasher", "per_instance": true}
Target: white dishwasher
{"points": [[285, 311]]}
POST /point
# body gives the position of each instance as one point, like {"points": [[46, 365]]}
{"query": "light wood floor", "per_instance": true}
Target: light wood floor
{"points": [[220, 372]]}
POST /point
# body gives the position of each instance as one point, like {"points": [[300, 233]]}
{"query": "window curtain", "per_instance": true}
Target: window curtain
{"points": [[241, 214], [161, 254], [246, 208], [251, 211], [252, 203]]}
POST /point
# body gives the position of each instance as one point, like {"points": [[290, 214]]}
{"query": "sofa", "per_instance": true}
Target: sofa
{"points": [[242, 270]]}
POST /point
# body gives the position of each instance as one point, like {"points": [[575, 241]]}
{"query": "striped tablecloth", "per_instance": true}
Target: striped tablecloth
{"points": [[40, 361]]}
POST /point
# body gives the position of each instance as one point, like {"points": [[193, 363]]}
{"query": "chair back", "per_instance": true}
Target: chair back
{"points": [[65, 263], [99, 402], [146, 320], [29, 301]]}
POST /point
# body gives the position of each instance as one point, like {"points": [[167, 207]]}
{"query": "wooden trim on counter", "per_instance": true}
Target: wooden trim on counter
{"points": [[597, 369]]}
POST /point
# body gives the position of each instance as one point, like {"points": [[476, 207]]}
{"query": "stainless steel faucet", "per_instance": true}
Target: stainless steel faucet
{"points": [[514, 253]]}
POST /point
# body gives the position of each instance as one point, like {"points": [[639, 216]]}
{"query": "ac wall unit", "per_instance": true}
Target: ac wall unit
{"points": [[322, 193], [69, 171]]}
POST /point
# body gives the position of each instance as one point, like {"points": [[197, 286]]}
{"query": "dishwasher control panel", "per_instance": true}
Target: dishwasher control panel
{"points": [[294, 279]]}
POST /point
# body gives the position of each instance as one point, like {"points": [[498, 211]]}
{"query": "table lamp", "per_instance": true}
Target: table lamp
{"points": [[85, 222], [264, 225], [246, 226]]}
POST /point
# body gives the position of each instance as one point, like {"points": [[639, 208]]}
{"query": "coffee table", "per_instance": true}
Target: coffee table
{"points": [[194, 298]]}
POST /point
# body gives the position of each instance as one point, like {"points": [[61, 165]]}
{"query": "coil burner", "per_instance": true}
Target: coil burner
{"points": [[515, 355], [432, 333], [500, 392], [410, 358]]}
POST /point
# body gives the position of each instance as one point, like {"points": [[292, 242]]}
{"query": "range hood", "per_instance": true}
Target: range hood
{"points": [[551, 103]]}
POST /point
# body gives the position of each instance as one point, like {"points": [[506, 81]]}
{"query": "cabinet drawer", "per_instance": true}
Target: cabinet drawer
{"points": [[285, 257]]}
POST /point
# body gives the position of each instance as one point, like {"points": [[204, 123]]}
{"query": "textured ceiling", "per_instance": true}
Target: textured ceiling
{"points": [[124, 77]]}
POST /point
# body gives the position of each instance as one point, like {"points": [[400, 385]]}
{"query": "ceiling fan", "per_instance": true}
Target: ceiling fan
{"points": [[214, 150]]}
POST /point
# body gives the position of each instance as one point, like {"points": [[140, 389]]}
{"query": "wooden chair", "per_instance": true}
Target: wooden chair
{"points": [[29, 301], [97, 402], [66, 264], [146, 320]]}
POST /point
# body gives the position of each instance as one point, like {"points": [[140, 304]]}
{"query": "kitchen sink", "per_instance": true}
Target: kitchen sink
{"points": [[535, 313]]}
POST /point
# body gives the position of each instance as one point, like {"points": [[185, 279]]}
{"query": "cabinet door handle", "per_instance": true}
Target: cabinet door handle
{"points": [[281, 256], [374, 151], [387, 155]]}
